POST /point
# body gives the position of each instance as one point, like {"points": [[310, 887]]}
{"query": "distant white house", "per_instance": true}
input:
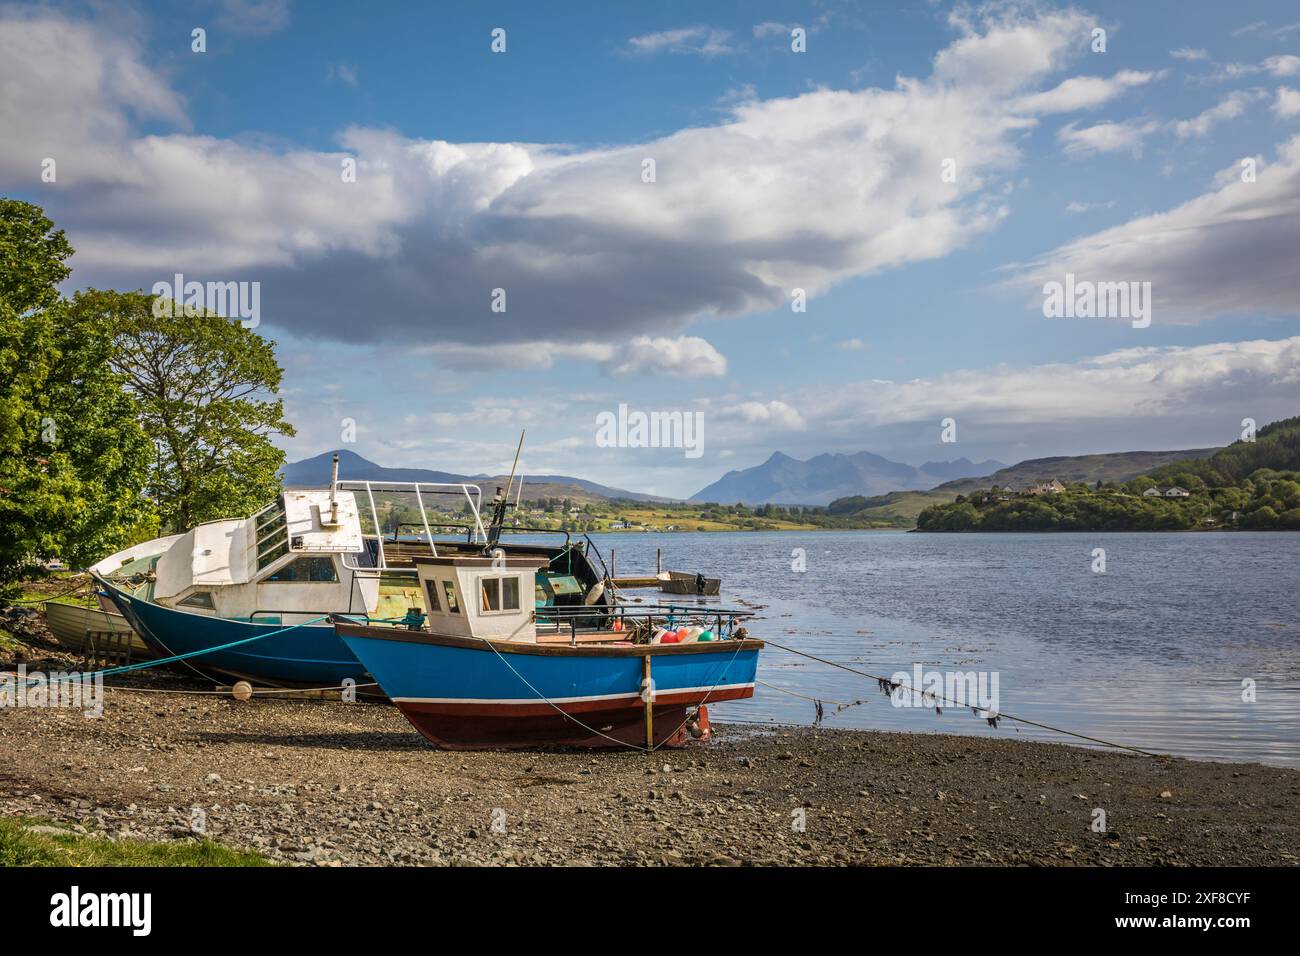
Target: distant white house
{"points": [[617, 525], [1173, 491], [1052, 487]]}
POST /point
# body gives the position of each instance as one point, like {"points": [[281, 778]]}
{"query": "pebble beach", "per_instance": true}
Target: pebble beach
{"points": [[326, 783]]}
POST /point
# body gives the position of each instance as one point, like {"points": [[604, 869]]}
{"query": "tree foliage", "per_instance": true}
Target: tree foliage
{"points": [[72, 456], [205, 388]]}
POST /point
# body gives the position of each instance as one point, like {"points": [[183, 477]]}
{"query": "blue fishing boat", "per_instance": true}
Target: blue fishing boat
{"points": [[492, 670]]}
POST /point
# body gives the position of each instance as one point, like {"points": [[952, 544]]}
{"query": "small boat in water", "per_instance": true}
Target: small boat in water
{"points": [[271, 579], [490, 670], [682, 582]]}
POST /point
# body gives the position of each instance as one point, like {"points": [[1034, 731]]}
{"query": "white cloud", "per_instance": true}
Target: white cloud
{"points": [[705, 41], [519, 355], [770, 28], [1084, 92], [1074, 206], [1287, 103], [685, 356], [429, 228], [344, 72], [773, 415], [1188, 53], [847, 179], [1285, 65], [1003, 52], [1230, 107], [70, 92], [253, 16], [852, 345], [1106, 137], [1154, 397], [744, 93], [1142, 393], [1229, 251]]}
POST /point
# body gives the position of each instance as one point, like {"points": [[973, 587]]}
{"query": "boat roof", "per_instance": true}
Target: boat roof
{"points": [[307, 513]]}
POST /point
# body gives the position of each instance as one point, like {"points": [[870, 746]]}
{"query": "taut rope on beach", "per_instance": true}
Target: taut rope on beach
{"points": [[886, 684], [893, 685]]}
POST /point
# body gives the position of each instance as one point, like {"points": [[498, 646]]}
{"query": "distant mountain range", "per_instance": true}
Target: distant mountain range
{"points": [[820, 480], [315, 473], [781, 479]]}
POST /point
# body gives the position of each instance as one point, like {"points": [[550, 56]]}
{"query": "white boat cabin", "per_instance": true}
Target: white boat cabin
{"points": [[481, 597], [284, 562]]}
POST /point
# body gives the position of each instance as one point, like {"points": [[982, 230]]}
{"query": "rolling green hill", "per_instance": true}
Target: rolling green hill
{"points": [[1276, 447], [1112, 466], [901, 509], [1249, 485]]}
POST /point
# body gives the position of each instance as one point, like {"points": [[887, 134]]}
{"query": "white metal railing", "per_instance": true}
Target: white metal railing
{"points": [[473, 495]]}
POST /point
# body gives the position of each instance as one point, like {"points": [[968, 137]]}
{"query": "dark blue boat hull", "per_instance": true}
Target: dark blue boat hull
{"points": [[307, 656]]}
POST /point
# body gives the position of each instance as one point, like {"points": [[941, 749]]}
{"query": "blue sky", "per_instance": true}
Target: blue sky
{"points": [[775, 169]]}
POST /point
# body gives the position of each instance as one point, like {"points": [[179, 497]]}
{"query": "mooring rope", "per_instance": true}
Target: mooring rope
{"points": [[816, 700], [128, 668], [257, 691], [882, 681], [924, 694]]}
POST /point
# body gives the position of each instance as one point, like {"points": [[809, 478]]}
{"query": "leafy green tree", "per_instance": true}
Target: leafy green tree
{"points": [[206, 391], [1141, 484], [73, 459], [1261, 518]]}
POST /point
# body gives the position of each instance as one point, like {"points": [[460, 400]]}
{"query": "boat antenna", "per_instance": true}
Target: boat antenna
{"points": [[334, 486], [499, 513]]}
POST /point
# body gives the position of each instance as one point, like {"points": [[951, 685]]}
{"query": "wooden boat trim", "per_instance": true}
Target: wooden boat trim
{"points": [[536, 707], [350, 629]]}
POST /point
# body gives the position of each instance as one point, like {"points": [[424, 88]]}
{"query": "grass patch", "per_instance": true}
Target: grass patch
{"points": [[65, 586], [21, 847]]}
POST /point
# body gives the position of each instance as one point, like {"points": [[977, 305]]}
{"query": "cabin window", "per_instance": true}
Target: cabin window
{"points": [[431, 590], [272, 535], [449, 591], [316, 568], [499, 595], [201, 599], [270, 518]]}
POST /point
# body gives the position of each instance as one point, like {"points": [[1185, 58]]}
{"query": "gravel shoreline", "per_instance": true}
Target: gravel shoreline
{"points": [[328, 783]]}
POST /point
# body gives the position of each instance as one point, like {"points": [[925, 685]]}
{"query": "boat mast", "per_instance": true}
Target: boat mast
{"points": [[502, 501], [334, 487]]}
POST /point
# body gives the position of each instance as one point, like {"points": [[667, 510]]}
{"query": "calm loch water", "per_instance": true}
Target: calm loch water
{"points": [[1151, 653]]}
